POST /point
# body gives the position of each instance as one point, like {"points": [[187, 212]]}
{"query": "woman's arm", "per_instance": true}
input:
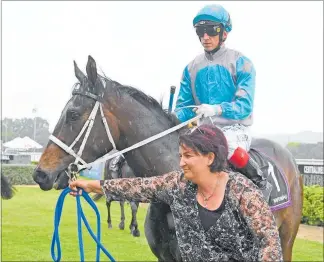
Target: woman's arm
{"points": [[142, 189], [133, 189], [262, 222]]}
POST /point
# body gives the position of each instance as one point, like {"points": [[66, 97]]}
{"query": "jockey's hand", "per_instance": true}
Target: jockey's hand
{"points": [[86, 185], [209, 110]]}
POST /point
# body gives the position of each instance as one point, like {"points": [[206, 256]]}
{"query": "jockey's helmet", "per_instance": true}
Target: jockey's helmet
{"points": [[213, 14]]}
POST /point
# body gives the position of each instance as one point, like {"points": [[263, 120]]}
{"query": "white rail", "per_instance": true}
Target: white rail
{"points": [[311, 162]]}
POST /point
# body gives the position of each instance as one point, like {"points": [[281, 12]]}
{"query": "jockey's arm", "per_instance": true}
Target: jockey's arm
{"points": [[242, 105], [185, 98]]}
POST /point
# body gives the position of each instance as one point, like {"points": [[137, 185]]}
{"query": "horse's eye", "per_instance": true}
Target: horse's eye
{"points": [[72, 115]]}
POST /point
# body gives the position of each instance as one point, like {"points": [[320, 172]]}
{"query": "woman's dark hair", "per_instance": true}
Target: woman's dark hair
{"points": [[208, 139]]}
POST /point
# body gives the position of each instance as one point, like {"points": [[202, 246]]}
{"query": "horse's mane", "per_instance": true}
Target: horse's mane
{"points": [[146, 100]]}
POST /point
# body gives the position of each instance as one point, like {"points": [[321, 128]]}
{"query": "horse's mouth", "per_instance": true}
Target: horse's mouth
{"points": [[61, 180]]}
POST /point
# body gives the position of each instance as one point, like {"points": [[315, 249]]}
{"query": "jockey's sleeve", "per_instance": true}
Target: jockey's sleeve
{"points": [[242, 105], [143, 189], [261, 221], [185, 98]]}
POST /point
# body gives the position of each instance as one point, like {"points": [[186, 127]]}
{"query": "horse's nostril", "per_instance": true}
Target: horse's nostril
{"points": [[40, 177]]}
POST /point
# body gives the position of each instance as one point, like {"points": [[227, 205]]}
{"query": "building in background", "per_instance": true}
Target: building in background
{"points": [[20, 151]]}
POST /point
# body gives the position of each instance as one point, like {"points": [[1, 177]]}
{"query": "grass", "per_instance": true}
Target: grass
{"points": [[305, 250], [27, 228]]}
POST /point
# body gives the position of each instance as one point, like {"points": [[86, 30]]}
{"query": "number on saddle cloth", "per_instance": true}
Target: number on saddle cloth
{"points": [[280, 194]]}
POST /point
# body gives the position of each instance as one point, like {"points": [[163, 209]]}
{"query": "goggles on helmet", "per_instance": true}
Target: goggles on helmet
{"points": [[209, 30]]}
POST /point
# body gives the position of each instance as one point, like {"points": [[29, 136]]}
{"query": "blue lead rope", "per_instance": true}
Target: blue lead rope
{"points": [[80, 216]]}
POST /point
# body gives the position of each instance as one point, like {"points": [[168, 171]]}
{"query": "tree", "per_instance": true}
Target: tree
{"points": [[12, 128], [305, 150]]}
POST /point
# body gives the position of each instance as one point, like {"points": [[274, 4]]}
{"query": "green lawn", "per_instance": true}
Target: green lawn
{"points": [[27, 228], [307, 250]]}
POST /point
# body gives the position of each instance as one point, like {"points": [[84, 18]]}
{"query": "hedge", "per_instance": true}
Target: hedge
{"points": [[19, 175], [313, 210]]}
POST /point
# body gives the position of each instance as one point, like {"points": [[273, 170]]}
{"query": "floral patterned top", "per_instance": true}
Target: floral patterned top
{"points": [[245, 231]]}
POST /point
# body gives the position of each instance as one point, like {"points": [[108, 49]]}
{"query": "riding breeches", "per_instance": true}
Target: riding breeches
{"points": [[237, 135]]}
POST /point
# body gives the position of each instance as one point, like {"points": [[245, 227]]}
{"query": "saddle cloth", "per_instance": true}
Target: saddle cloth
{"points": [[280, 194]]}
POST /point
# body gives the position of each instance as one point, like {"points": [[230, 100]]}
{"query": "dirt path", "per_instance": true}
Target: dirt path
{"points": [[312, 233]]}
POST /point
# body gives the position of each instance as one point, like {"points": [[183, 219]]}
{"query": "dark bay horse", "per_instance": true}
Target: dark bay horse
{"points": [[118, 168], [133, 116]]}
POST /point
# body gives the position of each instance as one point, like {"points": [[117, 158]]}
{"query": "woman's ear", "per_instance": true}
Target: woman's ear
{"points": [[211, 157]]}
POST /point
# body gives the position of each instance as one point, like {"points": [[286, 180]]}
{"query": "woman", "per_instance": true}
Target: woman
{"points": [[219, 215]]}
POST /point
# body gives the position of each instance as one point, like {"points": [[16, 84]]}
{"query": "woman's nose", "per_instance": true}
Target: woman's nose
{"points": [[182, 162]]}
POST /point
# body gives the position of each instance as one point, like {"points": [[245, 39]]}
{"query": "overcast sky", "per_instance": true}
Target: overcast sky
{"points": [[148, 44]]}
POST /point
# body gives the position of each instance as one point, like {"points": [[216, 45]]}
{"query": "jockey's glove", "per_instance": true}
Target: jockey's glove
{"points": [[209, 110]]}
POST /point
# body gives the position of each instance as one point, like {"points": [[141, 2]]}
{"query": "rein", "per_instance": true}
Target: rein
{"points": [[141, 143], [80, 217], [89, 124]]}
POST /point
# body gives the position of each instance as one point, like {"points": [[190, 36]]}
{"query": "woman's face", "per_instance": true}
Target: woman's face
{"points": [[194, 164]]}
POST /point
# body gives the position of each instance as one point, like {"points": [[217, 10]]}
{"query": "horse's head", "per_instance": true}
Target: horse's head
{"points": [[73, 132]]}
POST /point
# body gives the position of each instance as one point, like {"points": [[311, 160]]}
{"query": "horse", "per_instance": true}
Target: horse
{"points": [[7, 189], [132, 116], [118, 168]]}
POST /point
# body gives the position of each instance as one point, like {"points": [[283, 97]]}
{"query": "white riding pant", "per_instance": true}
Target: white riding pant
{"points": [[237, 135]]}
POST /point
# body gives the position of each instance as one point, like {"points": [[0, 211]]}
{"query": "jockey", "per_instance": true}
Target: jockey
{"points": [[221, 82]]}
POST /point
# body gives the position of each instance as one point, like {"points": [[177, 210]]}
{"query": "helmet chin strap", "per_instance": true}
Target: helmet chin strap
{"points": [[214, 50]]}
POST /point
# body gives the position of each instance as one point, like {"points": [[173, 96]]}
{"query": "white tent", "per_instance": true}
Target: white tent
{"points": [[22, 143], [15, 143], [30, 143]]}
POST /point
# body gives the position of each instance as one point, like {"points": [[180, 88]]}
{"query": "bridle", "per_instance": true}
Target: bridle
{"points": [[74, 168]]}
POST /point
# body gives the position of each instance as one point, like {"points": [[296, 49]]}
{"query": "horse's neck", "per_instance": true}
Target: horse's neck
{"points": [[157, 157]]}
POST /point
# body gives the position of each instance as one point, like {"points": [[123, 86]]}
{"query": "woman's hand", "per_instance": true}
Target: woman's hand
{"points": [[86, 185]]}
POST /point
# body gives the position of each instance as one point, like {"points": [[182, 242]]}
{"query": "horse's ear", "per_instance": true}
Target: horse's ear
{"points": [[78, 73], [92, 70]]}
